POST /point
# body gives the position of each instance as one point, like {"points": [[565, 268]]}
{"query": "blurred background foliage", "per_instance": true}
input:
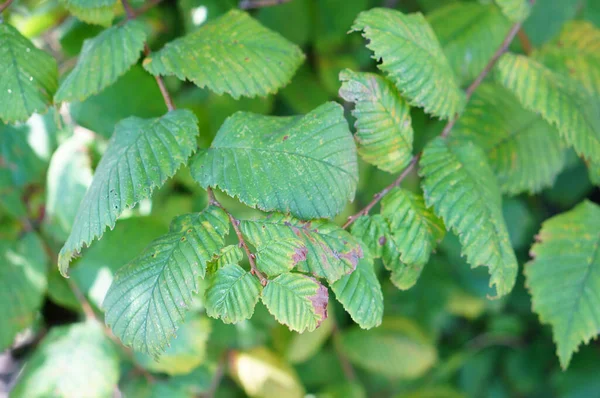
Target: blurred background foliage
{"points": [[442, 338]]}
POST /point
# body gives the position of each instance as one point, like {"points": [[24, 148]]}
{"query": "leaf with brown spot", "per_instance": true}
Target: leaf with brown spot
{"points": [[281, 255]]}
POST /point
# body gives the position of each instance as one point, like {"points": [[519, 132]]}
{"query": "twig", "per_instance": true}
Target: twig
{"points": [[131, 14], [447, 128], [235, 222], [85, 304], [346, 365], [5, 5], [250, 4], [214, 384], [525, 42]]}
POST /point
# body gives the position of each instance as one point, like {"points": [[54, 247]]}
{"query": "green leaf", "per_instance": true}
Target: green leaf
{"points": [[231, 254], [280, 255], [101, 112], [232, 294], [296, 300], [461, 187], [360, 294], [187, 351], [150, 295], [512, 138], [575, 53], [22, 165], [515, 10], [413, 58], [469, 33], [305, 165], [332, 252], [249, 59], [564, 277], [558, 99], [73, 361], [303, 346], [103, 60], [140, 156], [373, 231], [384, 133], [29, 76], [99, 12], [22, 285], [414, 228], [397, 349], [69, 176]]}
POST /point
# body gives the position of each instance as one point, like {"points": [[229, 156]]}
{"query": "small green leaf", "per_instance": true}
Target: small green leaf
{"points": [[414, 228], [305, 165], [564, 277], [469, 34], [187, 352], [373, 231], [102, 61], [515, 10], [397, 349], [73, 361], [332, 252], [360, 294], [29, 76], [249, 59], [150, 296], [99, 12], [558, 99], [22, 285], [413, 58], [297, 301], [461, 187], [280, 256], [384, 133], [231, 254], [232, 294], [140, 156], [512, 138]]}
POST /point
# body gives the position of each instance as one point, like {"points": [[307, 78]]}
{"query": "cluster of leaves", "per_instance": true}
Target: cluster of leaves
{"points": [[169, 195]]}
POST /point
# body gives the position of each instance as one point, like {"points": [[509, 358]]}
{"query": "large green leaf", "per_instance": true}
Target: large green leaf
{"points": [[73, 361], [512, 138], [22, 285], [29, 76], [100, 12], [469, 34], [413, 58], [332, 252], [305, 165], [564, 277], [150, 295], [373, 231], [232, 294], [140, 156], [232, 54], [396, 349], [516, 10], [384, 133], [296, 300], [69, 176], [557, 98], [462, 188], [103, 60], [414, 228], [360, 294]]}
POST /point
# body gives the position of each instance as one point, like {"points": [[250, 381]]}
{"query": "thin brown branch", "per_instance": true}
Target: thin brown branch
{"points": [[344, 362], [251, 4], [447, 128], [131, 14], [5, 5], [85, 304], [236, 227], [525, 42], [216, 381]]}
